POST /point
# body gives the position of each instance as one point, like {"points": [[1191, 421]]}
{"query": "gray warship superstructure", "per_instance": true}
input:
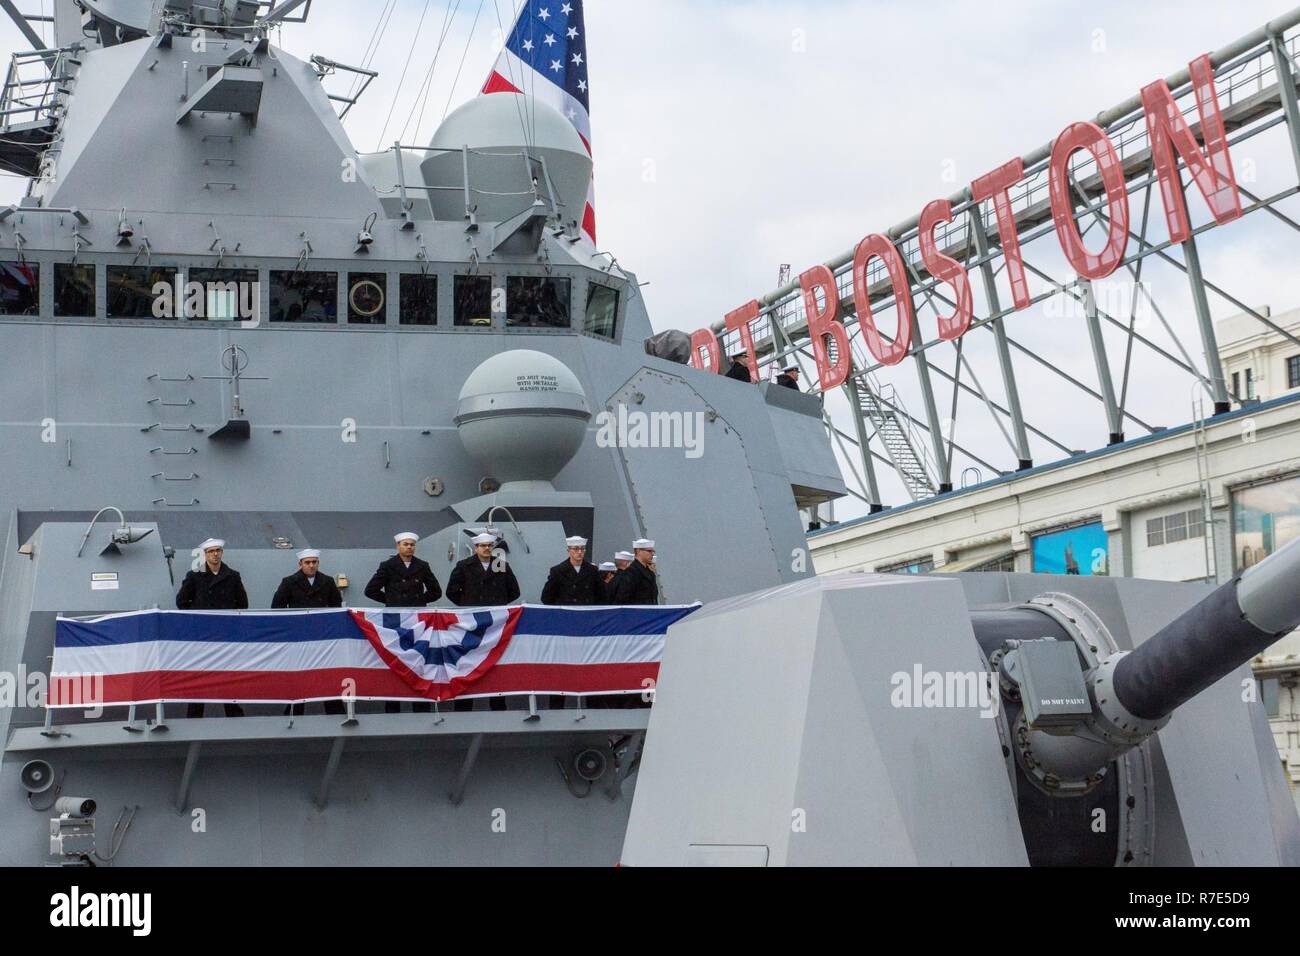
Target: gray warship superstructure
{"points": [[421, 339]]}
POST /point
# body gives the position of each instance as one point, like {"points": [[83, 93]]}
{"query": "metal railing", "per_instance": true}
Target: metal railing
{"points": [[536, 180], [34, 83]]}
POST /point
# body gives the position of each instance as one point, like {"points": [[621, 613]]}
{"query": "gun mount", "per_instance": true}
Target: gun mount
{"points": [[1073, 678], [1083, 703]]}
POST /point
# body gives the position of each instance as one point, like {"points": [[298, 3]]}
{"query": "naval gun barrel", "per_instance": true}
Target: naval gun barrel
{"points": [[1069, 725], [1213, 638]]}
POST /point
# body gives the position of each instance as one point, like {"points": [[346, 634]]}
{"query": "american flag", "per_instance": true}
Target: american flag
{"points": [[546, 57]]}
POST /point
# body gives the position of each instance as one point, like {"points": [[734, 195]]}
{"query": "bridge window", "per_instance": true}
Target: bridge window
{"points": [[222, 295], [367, 298], [74, 289], [136, 292], [473, 300], [602, 311], [300, 296], [20, 288], [418, 304], [537, 301]]}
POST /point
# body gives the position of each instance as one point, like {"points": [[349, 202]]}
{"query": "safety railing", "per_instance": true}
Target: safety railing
{"points": [[536, 179], [33, 82]]}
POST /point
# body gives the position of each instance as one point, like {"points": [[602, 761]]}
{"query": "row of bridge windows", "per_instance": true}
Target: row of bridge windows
{"points": [[158, 292]]}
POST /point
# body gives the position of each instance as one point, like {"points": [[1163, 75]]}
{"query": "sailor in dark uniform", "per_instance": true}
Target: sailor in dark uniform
{"points": [[739, 370], [639, 583], [308, 588], [574, 581], [404, 581], [216, 587], [482, 580], [621, 560], [789, 377], [607, 571]]}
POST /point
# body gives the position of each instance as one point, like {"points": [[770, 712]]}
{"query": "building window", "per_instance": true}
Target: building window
{"points": [[74, 289], [1293, 372], [1236, 385], [367, 297], [1183, 526], [1264, 517], [473, 300], [1269, 696], [537, 301], [136, 292], [602, 311], [418, 302], [222, 295], [915, 566], [20, 288], [1250, 383], [300, 296], [1006, 562]]}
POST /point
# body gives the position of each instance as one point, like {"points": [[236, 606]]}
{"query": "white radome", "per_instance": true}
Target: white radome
{"points": [[523, 415], [497, 129]]}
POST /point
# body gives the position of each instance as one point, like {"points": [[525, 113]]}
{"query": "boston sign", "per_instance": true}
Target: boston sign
{"points": [[1167, 131]]}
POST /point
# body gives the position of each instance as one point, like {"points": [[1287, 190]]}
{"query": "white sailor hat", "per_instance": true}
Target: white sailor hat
{"points": [[623, 555], [406, 536], [607, 566], [643, 544], [306, 553], [483, 538], [576, 541], [212, 543]]}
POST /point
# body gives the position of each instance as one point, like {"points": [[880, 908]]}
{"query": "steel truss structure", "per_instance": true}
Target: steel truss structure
{"points": [[1255, 79]]}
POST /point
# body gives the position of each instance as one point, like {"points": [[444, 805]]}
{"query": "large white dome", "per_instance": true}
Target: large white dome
{"points": [[498, 129], [498, 120]]}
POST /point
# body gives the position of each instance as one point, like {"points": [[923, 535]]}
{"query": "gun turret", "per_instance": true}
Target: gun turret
{"points": [[1080, 703]]}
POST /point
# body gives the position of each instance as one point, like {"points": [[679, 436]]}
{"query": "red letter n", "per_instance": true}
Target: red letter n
{"points": [[1211, 170]]}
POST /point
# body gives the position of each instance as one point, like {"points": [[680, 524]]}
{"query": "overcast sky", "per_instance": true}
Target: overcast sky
{"points": [[731, 136]]}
